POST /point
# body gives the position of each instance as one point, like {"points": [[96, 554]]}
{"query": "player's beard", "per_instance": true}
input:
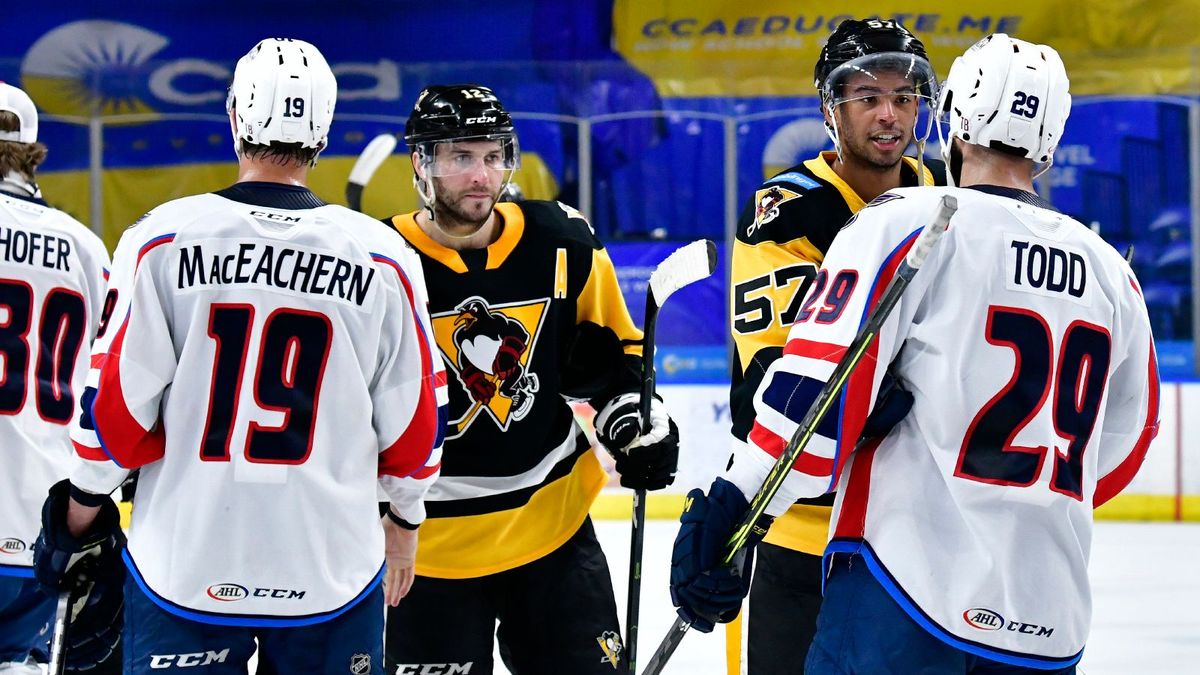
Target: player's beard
{"points": [[857, 147], [453, 210]]}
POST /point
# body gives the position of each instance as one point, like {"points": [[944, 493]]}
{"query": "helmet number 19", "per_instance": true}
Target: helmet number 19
{"points": [[293, 106]]}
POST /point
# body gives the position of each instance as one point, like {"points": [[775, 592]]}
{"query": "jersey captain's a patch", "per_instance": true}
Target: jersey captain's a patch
{"points": [[489, 348], [766, 204]]}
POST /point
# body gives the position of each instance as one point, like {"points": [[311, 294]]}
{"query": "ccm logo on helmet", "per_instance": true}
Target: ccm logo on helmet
{"points": [[480, 120]]}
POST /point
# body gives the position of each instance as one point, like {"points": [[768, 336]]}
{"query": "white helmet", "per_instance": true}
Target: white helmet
{"points": [[17, 102], [283, 92], [1007, 94]]}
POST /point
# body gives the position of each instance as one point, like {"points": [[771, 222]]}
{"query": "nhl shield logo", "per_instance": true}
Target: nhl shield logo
{"points": [[360, 664], [489, 348]]}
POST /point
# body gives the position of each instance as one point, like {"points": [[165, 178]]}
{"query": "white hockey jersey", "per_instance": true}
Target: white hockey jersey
{"points": [[268, 366], [1026, 345], [52, 277]]}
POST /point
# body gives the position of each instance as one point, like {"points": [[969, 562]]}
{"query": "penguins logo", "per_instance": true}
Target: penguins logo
{"points": [[767, 203], [489, 348], [610, 644]]}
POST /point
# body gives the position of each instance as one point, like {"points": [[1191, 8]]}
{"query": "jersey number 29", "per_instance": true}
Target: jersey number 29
{"points": [[290, 365], [1079, 373]]}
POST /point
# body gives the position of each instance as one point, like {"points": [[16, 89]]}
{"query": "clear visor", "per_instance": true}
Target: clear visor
{"points": [[465, 155], [902, 78]]}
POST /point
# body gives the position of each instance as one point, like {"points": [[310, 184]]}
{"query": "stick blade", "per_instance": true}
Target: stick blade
{"points": [[372, 156], [687, 264]]}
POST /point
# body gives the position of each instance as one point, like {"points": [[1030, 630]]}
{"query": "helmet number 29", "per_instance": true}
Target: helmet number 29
{"points": [[1025, 105]]}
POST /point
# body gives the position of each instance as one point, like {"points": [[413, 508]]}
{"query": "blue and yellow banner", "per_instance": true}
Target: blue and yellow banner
{"points": [[768, 48]]}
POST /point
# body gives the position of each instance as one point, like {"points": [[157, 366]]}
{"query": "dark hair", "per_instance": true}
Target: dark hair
{"points": [[282, 154], [23, 158]]}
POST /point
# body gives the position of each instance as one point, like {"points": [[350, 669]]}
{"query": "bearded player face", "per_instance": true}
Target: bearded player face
{"points": [[876, 118], [468, 178]]}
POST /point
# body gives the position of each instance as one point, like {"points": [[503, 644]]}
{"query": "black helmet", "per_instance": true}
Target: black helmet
{"points": [[454, 111], [853, 39]]}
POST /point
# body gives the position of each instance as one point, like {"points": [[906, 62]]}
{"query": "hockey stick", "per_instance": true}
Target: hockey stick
{"points": [[824, 401], [687, 264], [365, 166], [82, 572]]}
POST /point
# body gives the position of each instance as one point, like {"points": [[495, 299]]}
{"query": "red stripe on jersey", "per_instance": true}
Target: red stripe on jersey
{"points": [[124, 440], [407, 456], [439, 379], [852, 517], [774, 445], [98, 360], [857, 401], [427, 471], [88, 452], [153, 244], [820, 351], [1111, 485]]}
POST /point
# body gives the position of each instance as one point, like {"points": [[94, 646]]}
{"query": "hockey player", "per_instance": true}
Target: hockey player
{"points": [[52, 279], [268, 364], [961, 537], [873, 78], [526, 311]]}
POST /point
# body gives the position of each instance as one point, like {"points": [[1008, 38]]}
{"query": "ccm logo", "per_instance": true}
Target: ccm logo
{"points": [[435, 668], [235, 592], [158, 661], [983, 619], [480, 120]]}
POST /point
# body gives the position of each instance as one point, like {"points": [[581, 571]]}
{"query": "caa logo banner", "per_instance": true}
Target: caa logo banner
{"points": [[85, 67]]}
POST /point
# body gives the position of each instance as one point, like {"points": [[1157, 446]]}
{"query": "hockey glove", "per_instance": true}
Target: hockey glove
{"points": [[478, 385], [891, 405], [91, 565], [508, 357], [645, 461], [706, 591]]}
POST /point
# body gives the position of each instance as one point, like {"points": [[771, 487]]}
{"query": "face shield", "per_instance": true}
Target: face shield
{"points": [[493, 153], [902, 80]]}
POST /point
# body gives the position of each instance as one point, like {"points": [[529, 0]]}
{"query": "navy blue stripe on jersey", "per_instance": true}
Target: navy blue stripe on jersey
{"points": [[507, 500], [885, 579], [244, 620], [1013, 193], [25, 198], [793, 395], [272, 195]]}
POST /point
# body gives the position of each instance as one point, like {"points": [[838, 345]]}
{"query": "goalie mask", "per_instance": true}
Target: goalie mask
{"points": [[853, 62], [283, 91], [454, 128], [1006, 94]]}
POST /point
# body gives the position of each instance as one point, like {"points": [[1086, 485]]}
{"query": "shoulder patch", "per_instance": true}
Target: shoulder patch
{"points": [[767, 201], [796, 178]]}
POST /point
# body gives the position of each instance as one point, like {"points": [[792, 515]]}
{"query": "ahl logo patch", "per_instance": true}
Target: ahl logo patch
{"points": [[982, 618], [489, 348], [11, 546], [766, 205]]}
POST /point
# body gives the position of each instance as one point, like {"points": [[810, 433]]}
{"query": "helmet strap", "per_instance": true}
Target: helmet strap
{"points": [[831, 129]]}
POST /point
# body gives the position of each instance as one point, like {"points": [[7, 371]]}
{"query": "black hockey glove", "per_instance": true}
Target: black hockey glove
{"points": [[891, 405], [91, 566], [706, 591], [645, 461]]}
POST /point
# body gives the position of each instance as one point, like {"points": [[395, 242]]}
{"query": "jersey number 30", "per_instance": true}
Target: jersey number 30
{"points": [[55, 344], [1079, 373], [291, 362]]}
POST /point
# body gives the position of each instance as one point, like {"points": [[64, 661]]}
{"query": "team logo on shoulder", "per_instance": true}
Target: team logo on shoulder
{"points": [[610, 644], [766, 205], [489, 347]]}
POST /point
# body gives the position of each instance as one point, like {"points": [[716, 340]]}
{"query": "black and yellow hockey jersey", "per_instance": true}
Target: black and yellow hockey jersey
{"points": [[518, 474], [782, 236]]}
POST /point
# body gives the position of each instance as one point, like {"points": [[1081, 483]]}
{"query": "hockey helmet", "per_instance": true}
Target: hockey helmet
{"points": [[871, 46], [17, 102], [460, 113], [1008, 95], [283, 91]]}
